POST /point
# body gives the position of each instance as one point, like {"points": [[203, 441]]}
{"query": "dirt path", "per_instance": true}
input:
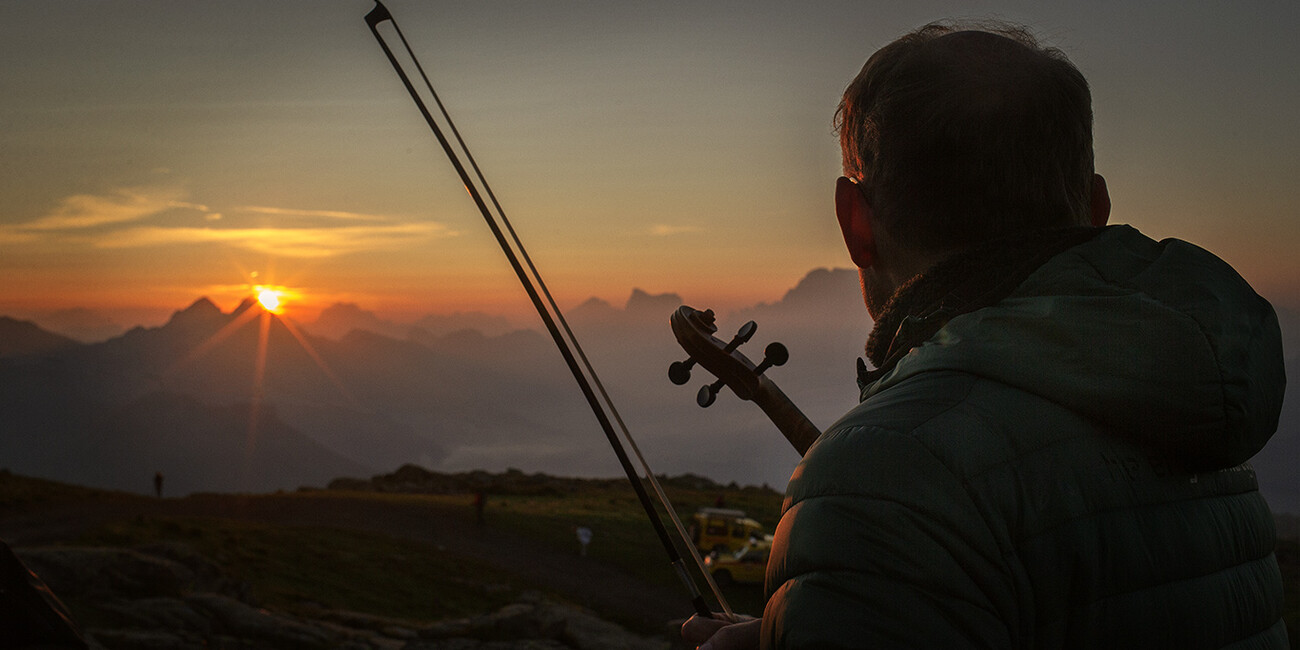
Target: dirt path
{"points": [[585, 581]]}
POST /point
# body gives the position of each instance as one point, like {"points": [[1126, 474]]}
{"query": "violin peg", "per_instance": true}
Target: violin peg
{"points": [[746, 331], [708, 394], [775, 354], [680, 371]]}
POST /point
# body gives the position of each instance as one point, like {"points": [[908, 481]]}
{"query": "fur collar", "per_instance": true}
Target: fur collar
{"points": [[961, 283]]}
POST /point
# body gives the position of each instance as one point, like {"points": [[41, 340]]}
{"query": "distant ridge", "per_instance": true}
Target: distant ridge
{"points": [[413, 479], [444, 394], [19, 338]]}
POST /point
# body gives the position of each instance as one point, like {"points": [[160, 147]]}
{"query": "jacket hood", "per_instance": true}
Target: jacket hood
{"points": [[1161, 341]]}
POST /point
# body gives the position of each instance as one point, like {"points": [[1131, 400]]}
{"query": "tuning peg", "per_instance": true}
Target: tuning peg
{"points": [[680, 371], [743, 335], [709, 393], [774, 354]]}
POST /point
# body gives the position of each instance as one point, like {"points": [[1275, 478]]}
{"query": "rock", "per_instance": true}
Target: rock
{"points": [[388, 626], [511, 622], [260, 626], [107, 572], [475, 644], [141, 640], [586, 631], [157, 613], [167, 595], [208, 576]]}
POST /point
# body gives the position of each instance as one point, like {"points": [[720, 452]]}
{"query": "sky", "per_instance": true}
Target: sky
{"points": [[152, 152]]}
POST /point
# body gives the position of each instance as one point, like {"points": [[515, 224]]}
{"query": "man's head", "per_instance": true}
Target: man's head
{"points": [[953, 137]]}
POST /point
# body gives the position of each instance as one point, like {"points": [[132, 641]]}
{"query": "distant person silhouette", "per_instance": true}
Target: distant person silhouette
{"points": [[157, 483]]}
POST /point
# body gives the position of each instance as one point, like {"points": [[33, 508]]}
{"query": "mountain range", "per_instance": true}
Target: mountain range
{"points": [[250, 401]]}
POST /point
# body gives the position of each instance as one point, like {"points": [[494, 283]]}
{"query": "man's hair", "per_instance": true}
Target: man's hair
{"points": [[959, 136]]}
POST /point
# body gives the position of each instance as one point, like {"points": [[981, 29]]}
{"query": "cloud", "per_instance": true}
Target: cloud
{"points": [[666, 230], [289, 242], [84, 211], [153, 217], [329, 214]]}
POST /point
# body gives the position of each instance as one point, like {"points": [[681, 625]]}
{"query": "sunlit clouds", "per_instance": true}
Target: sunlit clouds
{"points": [[144, 218], [287, 242]]}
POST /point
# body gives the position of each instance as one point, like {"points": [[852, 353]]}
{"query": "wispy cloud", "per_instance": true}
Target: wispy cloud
{"points": [[668, 230], [138, 218], [83, 211], [329, 214], [289, 242]]}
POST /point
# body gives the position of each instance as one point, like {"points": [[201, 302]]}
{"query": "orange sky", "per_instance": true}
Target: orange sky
{"points": [[159, 151]]}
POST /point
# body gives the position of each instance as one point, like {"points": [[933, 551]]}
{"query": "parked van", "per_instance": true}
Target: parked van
{"points": [[724, 530]]}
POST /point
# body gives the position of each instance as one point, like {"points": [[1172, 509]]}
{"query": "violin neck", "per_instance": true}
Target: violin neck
{"points": [[793, 424]]}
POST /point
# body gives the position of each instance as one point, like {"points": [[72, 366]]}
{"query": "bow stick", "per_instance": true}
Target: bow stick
{"points": [[550, 314]]}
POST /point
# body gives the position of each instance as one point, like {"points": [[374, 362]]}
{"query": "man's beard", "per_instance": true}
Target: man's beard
{"points": [[875, 293]]}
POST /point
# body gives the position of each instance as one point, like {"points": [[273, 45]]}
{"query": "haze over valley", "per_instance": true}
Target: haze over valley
{"points": [[248, 401]]}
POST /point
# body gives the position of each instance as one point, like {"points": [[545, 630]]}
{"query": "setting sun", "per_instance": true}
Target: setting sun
{"points": [[270, 299]]}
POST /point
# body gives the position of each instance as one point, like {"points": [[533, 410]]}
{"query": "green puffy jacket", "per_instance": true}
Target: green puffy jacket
{"points": [[1064, 468]]}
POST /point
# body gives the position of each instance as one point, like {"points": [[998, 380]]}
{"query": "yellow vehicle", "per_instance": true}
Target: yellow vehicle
{"points": [[723, 530], [746, 566]]}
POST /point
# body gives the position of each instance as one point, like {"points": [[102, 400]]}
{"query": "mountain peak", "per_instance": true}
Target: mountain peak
{"points": [[201, 311], [201, 306], [244, 305]]}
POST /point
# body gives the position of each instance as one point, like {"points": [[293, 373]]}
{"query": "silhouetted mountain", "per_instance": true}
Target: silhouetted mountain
{"points": [[444, 324], [202, 447], [81, 324], [453, 402], [24, 339], [103, 413], [340, 318]]}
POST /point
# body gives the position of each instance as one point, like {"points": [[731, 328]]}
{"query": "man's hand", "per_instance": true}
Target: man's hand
{"points": [[721, 633]]}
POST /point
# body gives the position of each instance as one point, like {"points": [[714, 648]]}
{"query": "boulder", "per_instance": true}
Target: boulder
{"points": [[100, 573]]}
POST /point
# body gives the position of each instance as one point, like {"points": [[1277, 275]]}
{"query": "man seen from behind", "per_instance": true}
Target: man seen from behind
{"points": [[1052, 448]]}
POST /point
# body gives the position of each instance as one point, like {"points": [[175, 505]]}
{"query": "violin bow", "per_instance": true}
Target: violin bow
{"points": [[556, 325]]}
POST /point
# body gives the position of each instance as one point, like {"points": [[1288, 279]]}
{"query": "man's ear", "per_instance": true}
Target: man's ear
{"points": [[1100, 201], [856, 220]]}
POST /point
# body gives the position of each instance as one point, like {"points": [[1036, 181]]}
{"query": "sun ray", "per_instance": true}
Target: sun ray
{"points": [[320, 363], [212, 341], [267, 302], [259, 375]]}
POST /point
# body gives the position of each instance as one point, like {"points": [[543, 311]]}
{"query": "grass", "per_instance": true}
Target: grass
{"points": [[22, 493], [292, 568], [621, 533]]}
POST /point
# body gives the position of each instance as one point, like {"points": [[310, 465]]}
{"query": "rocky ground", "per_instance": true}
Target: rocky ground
{"points": [[168, 596]]}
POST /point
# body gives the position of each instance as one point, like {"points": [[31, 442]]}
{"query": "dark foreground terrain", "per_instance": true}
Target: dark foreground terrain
{"points": [[355, 568], [398, 562]]}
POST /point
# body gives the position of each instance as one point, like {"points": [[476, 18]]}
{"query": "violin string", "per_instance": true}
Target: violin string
{"points": [[380, 14]]}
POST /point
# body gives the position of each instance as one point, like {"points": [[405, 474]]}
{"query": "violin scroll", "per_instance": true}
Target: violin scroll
{"points": [[694, 331]]}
